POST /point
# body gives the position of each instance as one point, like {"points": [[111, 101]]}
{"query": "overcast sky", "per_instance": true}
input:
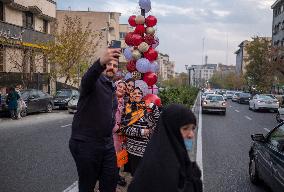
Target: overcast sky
{"points": [[182, 24]]}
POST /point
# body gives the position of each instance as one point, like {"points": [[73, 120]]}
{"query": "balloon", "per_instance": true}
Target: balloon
{"points": [[140, 29], [131, 21], [142, 85], [151, 54], [129, 39], [151, 21], [149, 39], [154, 67], [128, 53], [136, 55], [128, 76], [143, 65], [143, 47], [153, 90], [131, 66], [136, 75], [150, 78], [157, 42], [136, 39], [140, 20], [145, 4], [151, 98], [150, 31]]}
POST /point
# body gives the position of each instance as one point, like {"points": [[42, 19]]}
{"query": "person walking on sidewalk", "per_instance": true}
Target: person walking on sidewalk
{"points": [[12, 101], [166, 165], [91, 142]]}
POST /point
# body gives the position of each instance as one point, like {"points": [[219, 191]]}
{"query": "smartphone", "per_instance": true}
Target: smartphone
{"points": [[115, 44]]}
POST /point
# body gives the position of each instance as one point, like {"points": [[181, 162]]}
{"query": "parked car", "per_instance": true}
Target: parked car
{"points": [[214, 103], [63, 96], [263, 101], [72, 104], [236, 96], [37, 101], [229, 94], [244, 98], [280, 115], [267, 158]]}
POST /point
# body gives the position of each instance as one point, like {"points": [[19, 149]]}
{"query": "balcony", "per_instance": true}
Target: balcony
{"points": [[12, 34]]}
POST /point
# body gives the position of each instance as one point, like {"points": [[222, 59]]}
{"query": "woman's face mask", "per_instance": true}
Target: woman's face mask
{"points": [[188, 144]]}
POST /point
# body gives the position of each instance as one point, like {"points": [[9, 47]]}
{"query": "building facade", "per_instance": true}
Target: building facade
{"points": [[24, 26], [278, 23], [167, 67], [201, 74], [241, 56], [226, 69], [123, 29]]}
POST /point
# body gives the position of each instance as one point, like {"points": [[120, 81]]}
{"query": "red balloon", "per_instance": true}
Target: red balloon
{"points": [[128, 39], [131, 66], [151, 54], [151, 98], [149, 39], [140, 29], [131, 21], [136, 39], [150, 78], [151, 21]]}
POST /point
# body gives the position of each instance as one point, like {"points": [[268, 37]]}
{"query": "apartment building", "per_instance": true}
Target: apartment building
{"points": [[167, 67], [24, 25], [202, 73], [278, 23]]}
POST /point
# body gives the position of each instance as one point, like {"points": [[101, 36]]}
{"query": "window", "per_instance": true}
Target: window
{"points": [[111, 15], [28, 20], [1, 11], [122, 35], [1, 59], [45, 26], [277, 136], [45, 65]]}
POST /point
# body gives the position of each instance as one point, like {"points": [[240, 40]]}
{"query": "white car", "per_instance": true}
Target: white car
{"points": [[205, 94], [72, 104], [214, 103], [236, 96], [229, 94], [263, 101]]}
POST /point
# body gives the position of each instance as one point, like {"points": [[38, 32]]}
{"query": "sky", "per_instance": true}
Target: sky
{"points": [[183, 25]]}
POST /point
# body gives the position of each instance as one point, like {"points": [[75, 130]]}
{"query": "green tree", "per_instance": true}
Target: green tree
{"points": [[75, 45]]}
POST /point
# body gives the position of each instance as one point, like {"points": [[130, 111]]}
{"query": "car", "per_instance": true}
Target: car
{"points": [[37, 101], [267, 158], [244, 98], [205, 94], [236, 96], [229, 94], [72, 104], [263, 101], [280, 115], [63, 96], [214, 103]]}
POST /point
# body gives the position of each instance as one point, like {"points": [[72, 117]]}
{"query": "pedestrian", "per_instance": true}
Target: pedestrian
{"points": [[118, 137], [91, 142], [12, 101], [129, 88], [166, 165], [139, 122]]}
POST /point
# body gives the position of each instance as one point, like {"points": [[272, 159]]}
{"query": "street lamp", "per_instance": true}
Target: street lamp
{"points": [[189, 69]]}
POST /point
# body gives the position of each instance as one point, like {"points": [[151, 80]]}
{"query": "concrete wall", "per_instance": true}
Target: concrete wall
{"points": [[13, 16]]}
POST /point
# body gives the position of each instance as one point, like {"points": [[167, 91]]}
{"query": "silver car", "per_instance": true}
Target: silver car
{"points": [[263, 101], [214, 103]]}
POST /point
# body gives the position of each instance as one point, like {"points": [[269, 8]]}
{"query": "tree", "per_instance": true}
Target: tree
{"points": [[227, 80], [74, 47]]}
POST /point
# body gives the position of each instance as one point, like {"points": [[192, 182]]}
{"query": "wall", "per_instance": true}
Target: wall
{"points": [[13, 16], [13, 58]]}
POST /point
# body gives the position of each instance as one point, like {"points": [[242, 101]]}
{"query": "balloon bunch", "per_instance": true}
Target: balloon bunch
{"points": [[141, 54]]}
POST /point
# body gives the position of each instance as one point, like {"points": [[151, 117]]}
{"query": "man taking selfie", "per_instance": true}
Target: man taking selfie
{"points": [[91, 142]]}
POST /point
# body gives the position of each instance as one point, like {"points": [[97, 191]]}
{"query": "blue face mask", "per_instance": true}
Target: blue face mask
{"points": [[188, 144]]}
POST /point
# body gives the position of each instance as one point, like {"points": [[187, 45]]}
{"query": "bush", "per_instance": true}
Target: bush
{"points": [[181, 95]]}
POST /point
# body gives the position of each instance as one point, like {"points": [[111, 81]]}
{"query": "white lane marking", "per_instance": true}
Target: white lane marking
{"points": [[231, 106], [266, 129], [66, 125], [247, 117], [237, 111], [199, 143], [72, 188]]}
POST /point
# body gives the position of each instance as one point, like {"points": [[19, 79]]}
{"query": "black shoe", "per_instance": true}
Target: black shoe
{"points": [[121, 181]]}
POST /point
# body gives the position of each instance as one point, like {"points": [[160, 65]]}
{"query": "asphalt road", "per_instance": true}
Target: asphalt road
{"points": [[226, 142], [34, 155]]}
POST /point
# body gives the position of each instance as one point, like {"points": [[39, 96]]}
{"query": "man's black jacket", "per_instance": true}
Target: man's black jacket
{"points": [[96, 107]]}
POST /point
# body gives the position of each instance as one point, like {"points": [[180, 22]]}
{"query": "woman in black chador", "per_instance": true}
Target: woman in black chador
{"points": [[166, 166]]}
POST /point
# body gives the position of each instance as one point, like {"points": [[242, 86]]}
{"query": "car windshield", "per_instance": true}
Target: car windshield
{"points": [[266, 97], [245, 95], [271, 96], [25, 94], [229, 92], [215, 98], [63, 93]]}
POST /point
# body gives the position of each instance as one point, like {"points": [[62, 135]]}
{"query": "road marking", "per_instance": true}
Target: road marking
{"points": [[237, 111], [248, 118], [231, 106], [66, 125], [199, 144], [266, 129], [72, 188]]}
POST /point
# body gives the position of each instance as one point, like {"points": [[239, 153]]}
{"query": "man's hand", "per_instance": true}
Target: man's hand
{"points": [[109, 55]]}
